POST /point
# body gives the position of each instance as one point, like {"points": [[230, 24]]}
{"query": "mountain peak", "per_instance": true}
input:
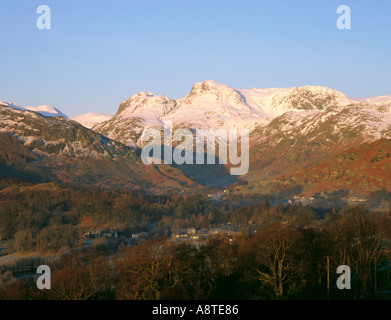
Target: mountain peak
{"points": [[91, 119], [221, 92], [146, 102], [209, 87], [304, 98], [47, 111], [145, 94]]}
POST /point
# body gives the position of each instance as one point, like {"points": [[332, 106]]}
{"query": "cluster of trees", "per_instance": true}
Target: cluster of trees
{"points": [[377, 197], [12, 151], [51, 217], [264, 213], [48, 217], [52, 238], [276, 261]]}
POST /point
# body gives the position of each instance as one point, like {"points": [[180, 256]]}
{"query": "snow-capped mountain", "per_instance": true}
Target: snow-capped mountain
{"points": [[140, 111], [45, 110], [92, 119], [275, 102], [213, 105], [290, 128]]}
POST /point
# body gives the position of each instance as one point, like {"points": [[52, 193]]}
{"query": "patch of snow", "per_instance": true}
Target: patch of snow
{"points": [[47, 111], [89, 120]]}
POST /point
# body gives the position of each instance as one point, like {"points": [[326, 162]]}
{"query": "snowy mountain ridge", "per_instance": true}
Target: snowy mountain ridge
{"points": [[91, 119], [213, 105], [45, 110]]}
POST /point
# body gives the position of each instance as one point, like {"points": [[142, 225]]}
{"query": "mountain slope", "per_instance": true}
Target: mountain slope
{"points": [[64, 150], [297, 140], [362, 169]]}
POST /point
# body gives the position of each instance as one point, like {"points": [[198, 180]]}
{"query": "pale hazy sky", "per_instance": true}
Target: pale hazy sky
{"points": [[98, 53]]}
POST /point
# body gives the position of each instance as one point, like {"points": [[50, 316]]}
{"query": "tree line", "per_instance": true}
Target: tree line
{"points": [[278, 260]]}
